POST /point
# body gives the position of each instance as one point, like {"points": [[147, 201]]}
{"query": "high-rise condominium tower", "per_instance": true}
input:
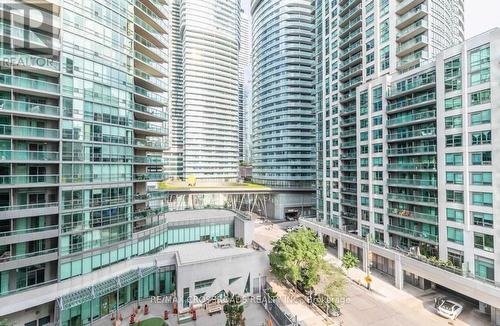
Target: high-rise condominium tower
{"points": [[244, 89], [283, 110], [206, 43]]}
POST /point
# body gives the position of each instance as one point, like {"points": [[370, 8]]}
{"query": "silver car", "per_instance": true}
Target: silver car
{"points": [[447, 308]]}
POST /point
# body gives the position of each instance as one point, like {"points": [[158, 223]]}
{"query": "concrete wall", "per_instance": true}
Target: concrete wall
{"points": [[28, 315], [276, 207], [244, 229]]}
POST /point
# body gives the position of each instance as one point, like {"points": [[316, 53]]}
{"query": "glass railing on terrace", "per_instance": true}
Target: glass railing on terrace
{"points": [[406, 45], [412, 214], [413, 182], [27, 107], [22, 82], [150, 110], [150, 159], [411, 28], [20, 155], [96, 202], [150, 143], [153, 80], [411, 101], [27, 231], [414, 233], [95, 178], [412, 150], [412, 198], [420, 81], [6, 258], [150, 176], [28, 206], [41, 40], [150, 62], [26, 59], [423, 55], [412, 166], [149, 126], [412, 134], [28, 131], [411, 117], [151, 95], [24, 179]]}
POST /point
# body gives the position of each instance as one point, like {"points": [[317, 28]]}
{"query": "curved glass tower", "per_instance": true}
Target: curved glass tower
{"points": [[283, 110]]}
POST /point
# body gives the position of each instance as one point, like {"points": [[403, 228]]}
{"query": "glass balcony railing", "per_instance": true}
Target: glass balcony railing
{"points": [[20, 131], [426, 132], [403, 213], [411, 101], [22, 82], [412, 150], [150, 176], [26, 107], [412, 198], [412, 166], [409, 44], [149, 126], [19, 155], [6, 258], [413, 182], [95, 178], [350, 14], [151, 30], [151, 95], [151, 111], [152, 15], [150, 46], [351, 202], [150, 159], [411, 13], [150, 143], [351, 59], [348, 179], [28, 206], [414, 233], [25, 179], [411, 118], [348, 144], [150, 62], [151, 79], [413, 27], [27, 231], [416, 83]]}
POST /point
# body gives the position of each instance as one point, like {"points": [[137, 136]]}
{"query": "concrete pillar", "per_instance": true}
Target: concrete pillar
{"points": [[365, 257], [495, 315], [482, 307], [398, 272], [340, 248]]}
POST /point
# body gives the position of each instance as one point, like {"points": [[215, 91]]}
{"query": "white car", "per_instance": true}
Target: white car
{"points": [[447, 308]]}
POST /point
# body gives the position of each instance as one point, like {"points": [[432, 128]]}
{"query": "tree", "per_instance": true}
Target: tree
{"points": [[5, 322], [349, 261], [335, 284], [234, 310], [298, 257]]}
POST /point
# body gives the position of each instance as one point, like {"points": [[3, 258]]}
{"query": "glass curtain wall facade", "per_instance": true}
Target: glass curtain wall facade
{"points": [[83, 91]]}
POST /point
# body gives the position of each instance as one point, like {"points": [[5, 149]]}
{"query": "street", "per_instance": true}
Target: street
{"points": [[384, 305]]}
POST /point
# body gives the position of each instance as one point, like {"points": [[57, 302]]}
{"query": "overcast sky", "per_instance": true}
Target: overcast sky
{"points": [[480, 15]]}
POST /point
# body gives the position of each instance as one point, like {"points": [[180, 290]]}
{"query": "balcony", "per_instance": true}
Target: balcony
{"points": [[350, 14], [349, 190], [149, 128], [412, 45], [353, 48], [348, 133], [418, 166], [150, 176], [152, 144], [349, 202], [37, 209], [415, 199], [147, 112], [149, 81], [349, 179], [28, 156], [31, 180], [407, 214], [37, 86], [29, 108], [421, 82], [355, 59], [353, 24], [348, 122], [348, 110], [149, 65], [150, 33], [28, 132], [150, 160], [413, 102], [351, 38], [416, 59], [411, 16], [346, 5], [405, 5], [348, 167], [411, 31], [353, 83], [430, 183], [412, 150], [150, 98], [27, 259], [353, 72], [412, 118], [412, 134], [150, 49], [415, 234], [153, 19], [349, 215], [349, 144]]}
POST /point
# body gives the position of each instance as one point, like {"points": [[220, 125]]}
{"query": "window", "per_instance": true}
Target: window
{"points": [[365, 201], [384, 58], [369, 32], [378, 203], [384, 7], [378, 218], [370, 45], [480, 97], [378, 148], [481, 158], [363, 136], [455, 196], [455, 159], [363, 103], [203, 284], [377, 161], [364, 149], [482, 199], [479, 65], [377, 134], [482, 219], [484, 268], [456, 178], [363, 162], [370, 70], [452, 75], [455, 235], [481, 117], [369, 19], [453, 122], [378, 189], [364, 175], [483, 241], [377, 120], [481, 137], [384, 31], [363, 123], [378, 175], [377, 99], [365, 188], [455, 215], [453, 103], [453, 140], [481, 178]]}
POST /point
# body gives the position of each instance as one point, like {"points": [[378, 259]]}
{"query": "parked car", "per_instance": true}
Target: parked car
{"points": [[447, 308]]}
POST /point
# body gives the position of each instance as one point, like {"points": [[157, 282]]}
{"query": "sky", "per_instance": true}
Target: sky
{"points": [[480, 15]]}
